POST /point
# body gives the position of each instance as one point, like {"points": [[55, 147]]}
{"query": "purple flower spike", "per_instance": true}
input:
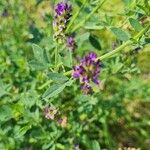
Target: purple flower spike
{"points": [[61, 19], [87, 71], [71, 43], [62, 8]]}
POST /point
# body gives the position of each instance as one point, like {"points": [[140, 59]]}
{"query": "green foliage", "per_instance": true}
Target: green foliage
{"points": [[115, 115], [94, 42], [3, 89], [95, 145], [135, 24], [41, 59], [120, 34], [57, 77]]}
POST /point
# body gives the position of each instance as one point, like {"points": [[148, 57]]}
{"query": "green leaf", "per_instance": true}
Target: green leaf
{"points": [[2, 89], [22, 131], [84, 97], [67, 60], [94, 42], [46, 56], [120, 34], [35, 65], [108, 20], [82, 38], [147, 40], [41, 58], [69, 83], [145, 9], [48, 145], [5, 113], [116, 66], [60, 146], [93, 26], [38, 52], [127, 2], [53, 90], [28, 98], [57, 76], [95, 145], [53, 147], [135, 24], [95, 87]]}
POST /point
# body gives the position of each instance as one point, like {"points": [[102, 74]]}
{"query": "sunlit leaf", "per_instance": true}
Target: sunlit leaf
{"points": [[22, 131], [95, 145], [57, 76], [120, 34], [135, 24]]}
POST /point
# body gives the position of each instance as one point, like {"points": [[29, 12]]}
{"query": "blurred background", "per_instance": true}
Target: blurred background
{"points": [[117, 116]]}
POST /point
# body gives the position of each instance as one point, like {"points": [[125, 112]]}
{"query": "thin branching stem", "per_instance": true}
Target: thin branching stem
{"points": [[56, 54], [110, 54], [75, 16], [129, 42], [88, 16], [120, 48]]}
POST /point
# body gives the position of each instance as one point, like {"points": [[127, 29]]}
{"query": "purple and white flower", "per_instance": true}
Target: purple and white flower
{"points": [[62, 17], [87, 72], [71, 44], [50, 112]]}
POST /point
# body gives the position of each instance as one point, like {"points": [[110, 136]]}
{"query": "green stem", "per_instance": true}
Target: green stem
{"points": [[136, 38], [50, 81], [109, 54], [56, 55], [1, 39], [106, 132], [88, 16], [142, 32], [129, 42], [68, 73], [75, 16], [45, 84]]}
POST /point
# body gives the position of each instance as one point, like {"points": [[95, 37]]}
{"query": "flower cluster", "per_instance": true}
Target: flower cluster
{"points": [[61, 19], [87, 72], [52, 113], [71, 44]]}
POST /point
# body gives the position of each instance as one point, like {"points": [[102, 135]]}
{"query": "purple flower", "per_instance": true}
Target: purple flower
{"points": [[50, 112], [87, 72], [61, 19], [76, 147], [71, 43], [62, 8]]}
